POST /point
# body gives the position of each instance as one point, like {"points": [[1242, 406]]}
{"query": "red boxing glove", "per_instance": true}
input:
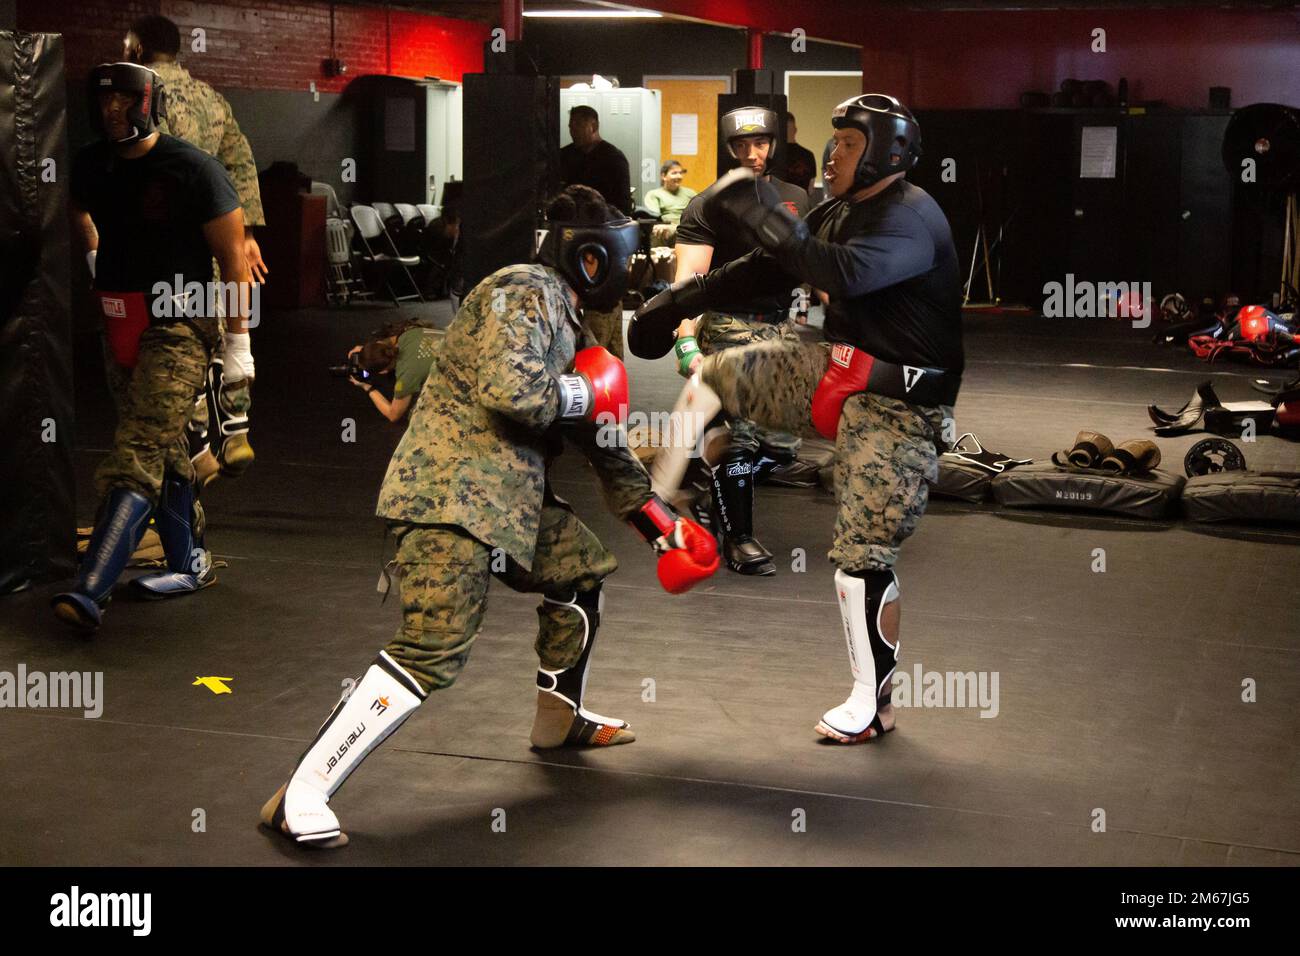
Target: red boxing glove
{"points": [[596, 387], [846, 374], [687, 553], [690, 556]]}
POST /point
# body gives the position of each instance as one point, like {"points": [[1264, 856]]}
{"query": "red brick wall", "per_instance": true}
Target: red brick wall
{"points": [[269, 44]]}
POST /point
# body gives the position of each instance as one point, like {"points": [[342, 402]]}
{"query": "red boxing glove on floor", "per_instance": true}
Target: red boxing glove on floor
{"points": [[596, 387], [846, 374], [687, 553]]}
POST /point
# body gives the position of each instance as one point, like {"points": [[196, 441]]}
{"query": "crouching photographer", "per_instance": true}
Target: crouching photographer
{"points": [[405, 350]]}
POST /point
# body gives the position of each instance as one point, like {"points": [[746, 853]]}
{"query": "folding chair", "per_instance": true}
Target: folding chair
{"points": [[412, 230], [341, 283], [388, 215], [371, 227], [428, 211]]}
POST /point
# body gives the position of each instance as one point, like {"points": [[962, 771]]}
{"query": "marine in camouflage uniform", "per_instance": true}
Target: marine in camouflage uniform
{"points": [[881, 252], [164, 216], [468, 480], [468, 498], [198, 114]]}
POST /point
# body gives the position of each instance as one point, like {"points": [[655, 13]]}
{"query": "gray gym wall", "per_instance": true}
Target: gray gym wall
{"points": [[289, 126]]}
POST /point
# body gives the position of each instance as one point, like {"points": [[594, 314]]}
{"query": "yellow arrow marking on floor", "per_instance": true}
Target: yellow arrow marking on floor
{"points": [[214, 684]]}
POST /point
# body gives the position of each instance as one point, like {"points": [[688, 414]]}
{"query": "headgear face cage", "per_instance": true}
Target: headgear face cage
{"points": [[611, 243], [135, 80], [893, 136]]}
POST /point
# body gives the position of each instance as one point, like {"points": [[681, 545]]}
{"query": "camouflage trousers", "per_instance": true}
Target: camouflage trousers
{"points": [[607, 328], [236, 400], [154, 401], [718, 331], [884, 450], [444, 574]]}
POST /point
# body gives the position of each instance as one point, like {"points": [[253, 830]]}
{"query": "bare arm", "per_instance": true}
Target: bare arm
{"points": [[83, 227], [225, 236], [691, 260], [393, 410]]}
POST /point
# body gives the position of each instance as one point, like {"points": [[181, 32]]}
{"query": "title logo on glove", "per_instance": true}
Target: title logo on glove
{"points": [[842, 354]]}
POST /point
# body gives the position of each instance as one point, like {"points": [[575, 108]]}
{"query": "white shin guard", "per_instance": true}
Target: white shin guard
{"points": [[871, 658], [696, 407], [377, 706]]}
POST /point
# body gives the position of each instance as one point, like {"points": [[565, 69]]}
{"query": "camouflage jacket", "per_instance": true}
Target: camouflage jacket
{"points": [[198, 114], [485, 424]]}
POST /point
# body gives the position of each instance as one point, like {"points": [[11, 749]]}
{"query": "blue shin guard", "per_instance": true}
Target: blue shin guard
{"points": [[121, 525], [189, 566]]}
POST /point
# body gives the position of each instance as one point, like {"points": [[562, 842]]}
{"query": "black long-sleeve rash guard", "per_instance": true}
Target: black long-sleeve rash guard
{"points": [[889, 267]]}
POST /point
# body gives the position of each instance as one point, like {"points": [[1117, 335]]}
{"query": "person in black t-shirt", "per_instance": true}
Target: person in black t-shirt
{"points": [[591, 161], [704, 242], [800, 166], [881, 255], [152, 211]]}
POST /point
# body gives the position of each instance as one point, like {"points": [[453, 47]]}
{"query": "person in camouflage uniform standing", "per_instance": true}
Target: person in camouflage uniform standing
{"points": [[198, 114], [884, 383], [467, 495], [702, 244], [148, 208]]}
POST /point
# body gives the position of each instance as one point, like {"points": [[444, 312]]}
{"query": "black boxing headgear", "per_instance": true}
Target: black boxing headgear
{"points": [[893, 136], [611, 241], [749, 121], [136, 80]]}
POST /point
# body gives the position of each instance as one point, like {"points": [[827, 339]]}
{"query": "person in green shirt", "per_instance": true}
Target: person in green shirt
{"points": [[668, 202], [406, 352]]}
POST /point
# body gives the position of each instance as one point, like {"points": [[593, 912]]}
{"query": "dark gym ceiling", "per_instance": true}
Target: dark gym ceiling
{"points": [[489, 11]]}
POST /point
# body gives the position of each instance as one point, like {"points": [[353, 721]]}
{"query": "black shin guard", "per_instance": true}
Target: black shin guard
{"points": [[732, 491], [570, 684]]}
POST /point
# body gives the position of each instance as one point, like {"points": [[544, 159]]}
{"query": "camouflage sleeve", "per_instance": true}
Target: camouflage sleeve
{"points": [[512, 376], [623, 478], [237, 156]]}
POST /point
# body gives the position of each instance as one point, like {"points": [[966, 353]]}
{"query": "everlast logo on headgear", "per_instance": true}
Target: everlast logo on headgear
{"points": [[749, 121]]}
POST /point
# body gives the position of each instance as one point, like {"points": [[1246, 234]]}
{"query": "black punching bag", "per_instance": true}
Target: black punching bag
{"points": [[37, 513], [511, 142]]}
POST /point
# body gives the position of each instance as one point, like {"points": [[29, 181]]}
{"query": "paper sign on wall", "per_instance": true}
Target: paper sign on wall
{"points": [[685, 134], [1097, 152]]}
